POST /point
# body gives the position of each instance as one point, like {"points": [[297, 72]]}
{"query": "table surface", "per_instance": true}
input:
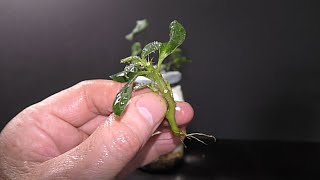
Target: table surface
{"points": [[231, 159]]}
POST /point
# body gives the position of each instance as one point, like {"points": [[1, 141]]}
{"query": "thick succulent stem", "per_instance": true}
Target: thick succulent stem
{"points": [[166, 92]]}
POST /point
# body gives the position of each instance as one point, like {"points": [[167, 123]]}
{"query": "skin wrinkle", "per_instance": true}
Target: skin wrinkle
{"points": [[156, 145], [44, 126], [151, 148], [130, 167], [55, 147], [145, 110], [85, 94], [82, 89], [146, 114], [91, 125], [120, 140], [25, 120], [59, 169], [14, 171], [131, 140], [11, 168]]}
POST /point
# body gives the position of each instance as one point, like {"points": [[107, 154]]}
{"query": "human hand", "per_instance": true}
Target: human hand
{"points": [[74, 134]]}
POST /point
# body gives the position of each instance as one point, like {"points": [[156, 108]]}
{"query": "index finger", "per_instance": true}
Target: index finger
{"points": [[83, 101]]}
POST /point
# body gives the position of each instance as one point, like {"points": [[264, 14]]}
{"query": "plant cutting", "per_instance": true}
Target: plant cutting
{"points": [[141, 63]]}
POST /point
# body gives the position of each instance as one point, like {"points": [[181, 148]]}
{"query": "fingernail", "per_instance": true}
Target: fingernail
{"points": [[151, 107]]}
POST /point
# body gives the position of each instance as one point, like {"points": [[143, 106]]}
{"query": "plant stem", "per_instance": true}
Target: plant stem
{"points": [[165, 90]]}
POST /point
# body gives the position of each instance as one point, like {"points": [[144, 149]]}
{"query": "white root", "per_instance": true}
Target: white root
{"points": [[193, 136], [202, 134], [190, 137], [185, 146]]}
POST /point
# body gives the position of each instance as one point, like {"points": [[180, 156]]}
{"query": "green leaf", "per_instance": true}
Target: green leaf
{"points": [[177, 36], [150, 48], [119, 77], [140, 26], [176, 59], [130, 68], [123, 97], [129, 72], [140, 86], [132, 59], [135, 49]]}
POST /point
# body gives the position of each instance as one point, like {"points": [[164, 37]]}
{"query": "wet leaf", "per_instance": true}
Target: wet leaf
{"points": [[132, 59], [123, 97], [119, 77], [140, 86], [150, 48], [131, 68], [177, 36], [129, 72]]}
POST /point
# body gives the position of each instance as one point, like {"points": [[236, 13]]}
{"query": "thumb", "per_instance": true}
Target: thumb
{"points": [[114, 144]]}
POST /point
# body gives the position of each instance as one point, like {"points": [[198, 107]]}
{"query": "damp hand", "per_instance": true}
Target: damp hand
{"points": [[74, 134]]}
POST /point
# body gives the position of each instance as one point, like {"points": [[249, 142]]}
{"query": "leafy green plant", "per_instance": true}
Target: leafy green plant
{"points": [[143, 66], [140, 63], [174, 60]]}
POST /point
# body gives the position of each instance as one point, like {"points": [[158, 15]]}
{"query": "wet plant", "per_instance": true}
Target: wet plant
{"points": [[142, 63]]}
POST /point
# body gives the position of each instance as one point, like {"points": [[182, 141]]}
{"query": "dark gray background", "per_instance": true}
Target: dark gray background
{"points": [[255, 72]]}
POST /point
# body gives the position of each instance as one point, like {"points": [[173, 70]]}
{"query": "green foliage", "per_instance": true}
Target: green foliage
{"points": [[142, 66], [177, 36], [176, 59], [150, 48], [123, 97], [129, 72]]}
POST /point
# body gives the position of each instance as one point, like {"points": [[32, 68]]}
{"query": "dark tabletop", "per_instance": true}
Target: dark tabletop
{"points": [[229, 159]]}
